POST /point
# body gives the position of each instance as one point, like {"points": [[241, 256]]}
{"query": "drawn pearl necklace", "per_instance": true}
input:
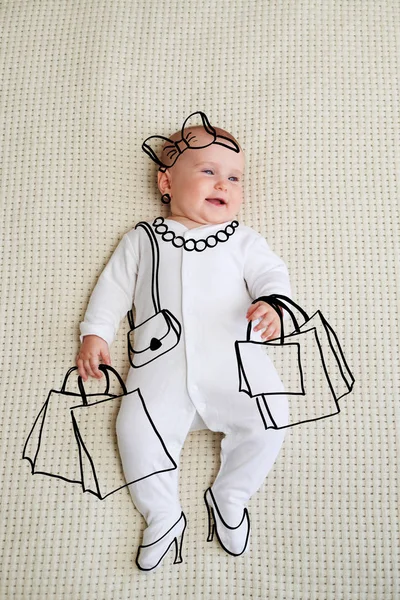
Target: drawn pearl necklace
{"points": [[178, 241]]}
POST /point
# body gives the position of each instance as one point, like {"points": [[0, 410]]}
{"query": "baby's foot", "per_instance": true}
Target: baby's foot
{"points": [[150, 555], [233, 539]]}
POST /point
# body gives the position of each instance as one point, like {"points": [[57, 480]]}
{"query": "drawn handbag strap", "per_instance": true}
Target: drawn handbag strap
{"points": [[102, 367], [276, 301], [155, 256]]}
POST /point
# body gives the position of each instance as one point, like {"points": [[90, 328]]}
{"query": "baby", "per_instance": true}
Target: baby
{"points": [[210, 271]]}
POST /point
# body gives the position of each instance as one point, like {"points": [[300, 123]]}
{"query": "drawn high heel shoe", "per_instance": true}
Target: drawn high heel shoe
{"points": [[149, 556], [234, 540]]}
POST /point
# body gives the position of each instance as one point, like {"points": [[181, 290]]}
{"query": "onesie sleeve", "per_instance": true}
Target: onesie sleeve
{"points": [[112, 295], [264, 271]]}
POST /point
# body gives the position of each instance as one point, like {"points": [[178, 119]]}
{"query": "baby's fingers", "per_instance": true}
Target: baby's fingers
{"points": [[105, 357], [271, 333], [264, 323], [256, 311], [94, 364], [89, 367], [81, 368]]}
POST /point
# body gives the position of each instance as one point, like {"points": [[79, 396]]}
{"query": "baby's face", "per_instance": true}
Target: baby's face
{"points": [[205, 185]]}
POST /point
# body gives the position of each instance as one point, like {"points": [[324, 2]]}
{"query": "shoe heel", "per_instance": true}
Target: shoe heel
{"points": [[211, 523], [211, 533], [178, 549]]}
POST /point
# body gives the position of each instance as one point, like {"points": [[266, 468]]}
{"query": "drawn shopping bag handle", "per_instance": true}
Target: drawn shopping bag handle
{"points": [[105, 369], [274, 301]]}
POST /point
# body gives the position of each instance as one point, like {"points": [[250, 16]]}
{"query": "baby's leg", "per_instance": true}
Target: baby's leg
{"points": [[248, 453], [155, 496]]}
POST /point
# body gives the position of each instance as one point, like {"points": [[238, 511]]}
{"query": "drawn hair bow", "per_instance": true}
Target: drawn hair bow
{"points": [[188, 140]]}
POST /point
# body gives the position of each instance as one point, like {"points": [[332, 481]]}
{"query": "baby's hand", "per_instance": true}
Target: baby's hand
{"points": [[270, 321], [94, 350]]}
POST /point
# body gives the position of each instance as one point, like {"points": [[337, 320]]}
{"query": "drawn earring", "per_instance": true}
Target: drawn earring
{"points": [[165, 198]]}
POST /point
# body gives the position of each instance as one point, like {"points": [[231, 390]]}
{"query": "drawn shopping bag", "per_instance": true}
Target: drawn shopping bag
{"points": [[307, 365], [51, 446], [95, 430], [80, 447]]}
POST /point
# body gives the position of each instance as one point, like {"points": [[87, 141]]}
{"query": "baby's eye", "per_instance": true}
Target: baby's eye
{"points": [[210, 171]]}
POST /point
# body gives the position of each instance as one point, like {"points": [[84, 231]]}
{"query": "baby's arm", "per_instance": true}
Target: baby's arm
{"points": [[265, 273], [110, 301]]}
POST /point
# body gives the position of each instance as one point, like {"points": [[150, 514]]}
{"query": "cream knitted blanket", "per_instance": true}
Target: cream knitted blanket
{"points": [[311, 90]]}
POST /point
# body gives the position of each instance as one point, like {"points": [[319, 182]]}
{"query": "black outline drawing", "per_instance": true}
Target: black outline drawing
{"points": [[275, 300], [178, 546], [174, 328], [212, 523], [82, 451], [187, 141], [197, 245]]}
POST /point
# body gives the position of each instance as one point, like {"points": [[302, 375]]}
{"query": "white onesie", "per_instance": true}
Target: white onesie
{"points": [[196, 383]]}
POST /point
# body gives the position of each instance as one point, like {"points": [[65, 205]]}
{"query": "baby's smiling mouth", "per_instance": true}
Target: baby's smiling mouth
{"points": [[216, 201]]}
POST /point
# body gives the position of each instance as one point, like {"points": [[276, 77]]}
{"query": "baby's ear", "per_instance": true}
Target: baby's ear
{"points": [[163, 181]]}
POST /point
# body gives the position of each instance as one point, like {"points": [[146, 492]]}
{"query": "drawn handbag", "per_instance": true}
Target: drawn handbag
{"points": [[162, 331], [307, 365]]}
